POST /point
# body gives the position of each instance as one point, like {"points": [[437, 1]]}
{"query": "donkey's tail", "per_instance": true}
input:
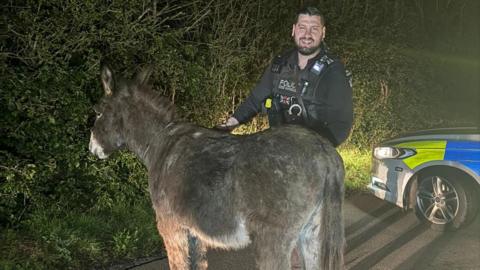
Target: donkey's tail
{"points": [[332, 238]]}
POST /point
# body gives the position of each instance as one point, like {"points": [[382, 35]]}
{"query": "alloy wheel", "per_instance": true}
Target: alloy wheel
{"points": [[437, 200]]}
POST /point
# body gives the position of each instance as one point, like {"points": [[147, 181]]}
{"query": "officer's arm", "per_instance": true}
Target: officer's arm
{"points": [[339, 103], [253, 103]]}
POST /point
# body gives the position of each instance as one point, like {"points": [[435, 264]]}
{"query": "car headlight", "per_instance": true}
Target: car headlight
{"points": [[384, 152]]}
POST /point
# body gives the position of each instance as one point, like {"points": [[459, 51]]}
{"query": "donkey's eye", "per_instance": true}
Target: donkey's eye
{"points": [[98, 112]]}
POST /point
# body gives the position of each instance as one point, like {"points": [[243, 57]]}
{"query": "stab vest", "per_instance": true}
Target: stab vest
{"points": [[297, 97]]}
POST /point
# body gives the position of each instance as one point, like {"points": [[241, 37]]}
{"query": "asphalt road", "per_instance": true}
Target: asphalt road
{"points": [[379, 236]]}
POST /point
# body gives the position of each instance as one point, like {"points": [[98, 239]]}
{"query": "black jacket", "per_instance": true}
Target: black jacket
{"points": [[329, 103]]}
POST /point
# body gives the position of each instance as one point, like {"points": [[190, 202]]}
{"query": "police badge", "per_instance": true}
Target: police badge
{"points": [[317, 68]]}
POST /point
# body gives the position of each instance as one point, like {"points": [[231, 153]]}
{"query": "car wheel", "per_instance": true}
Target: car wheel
{"points": [[445, 201]]}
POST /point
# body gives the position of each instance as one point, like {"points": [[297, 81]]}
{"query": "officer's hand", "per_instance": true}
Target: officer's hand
{"points": [[229, 125]]}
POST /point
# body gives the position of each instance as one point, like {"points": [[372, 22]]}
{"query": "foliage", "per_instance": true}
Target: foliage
{"points": [[357, 169], [75, 240], [206, 56]]}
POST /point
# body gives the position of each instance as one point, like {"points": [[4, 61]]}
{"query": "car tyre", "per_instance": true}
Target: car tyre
{"points": [[445, 200]]}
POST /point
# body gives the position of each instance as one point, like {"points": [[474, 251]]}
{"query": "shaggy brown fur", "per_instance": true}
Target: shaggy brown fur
{"points": [[277, 189]]}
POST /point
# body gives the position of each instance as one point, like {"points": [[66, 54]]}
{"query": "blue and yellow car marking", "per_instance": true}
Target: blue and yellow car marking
{"points": [[466, 153]]}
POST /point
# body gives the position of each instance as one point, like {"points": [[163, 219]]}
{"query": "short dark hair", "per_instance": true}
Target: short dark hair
{"points": [[311, 11]]}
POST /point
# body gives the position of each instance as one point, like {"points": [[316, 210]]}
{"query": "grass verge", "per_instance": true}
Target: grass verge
{"points": [[357, 168], [55, 239]]}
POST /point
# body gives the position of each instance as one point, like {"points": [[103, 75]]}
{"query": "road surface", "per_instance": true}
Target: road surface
{"points": [[379, 236]]}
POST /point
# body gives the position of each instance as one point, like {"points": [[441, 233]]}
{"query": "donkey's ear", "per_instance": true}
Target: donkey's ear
{"points": [[107, 81], [143, 76]]}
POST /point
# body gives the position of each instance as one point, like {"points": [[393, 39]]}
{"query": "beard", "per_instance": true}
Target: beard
{"points": [[307, 50]]}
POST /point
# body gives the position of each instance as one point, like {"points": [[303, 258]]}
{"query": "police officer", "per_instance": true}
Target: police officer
{"points": [[305, 85]]}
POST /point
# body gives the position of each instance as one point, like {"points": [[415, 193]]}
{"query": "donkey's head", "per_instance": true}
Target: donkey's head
{"points": [[108, 132]]}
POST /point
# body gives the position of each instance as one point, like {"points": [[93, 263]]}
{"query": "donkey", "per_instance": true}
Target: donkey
{"points": [[278, 189]]}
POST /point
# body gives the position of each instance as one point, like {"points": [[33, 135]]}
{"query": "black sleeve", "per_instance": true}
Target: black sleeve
{"points": [[253, 103], [339, 102]]}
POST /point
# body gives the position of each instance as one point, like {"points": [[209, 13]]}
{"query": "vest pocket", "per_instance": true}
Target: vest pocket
{"points": [[316, 111]]}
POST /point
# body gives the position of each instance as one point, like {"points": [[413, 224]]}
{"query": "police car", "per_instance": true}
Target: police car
{"points": [[435, 172]]}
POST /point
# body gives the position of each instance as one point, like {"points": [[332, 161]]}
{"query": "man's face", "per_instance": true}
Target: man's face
{"points": [[308, 33]]}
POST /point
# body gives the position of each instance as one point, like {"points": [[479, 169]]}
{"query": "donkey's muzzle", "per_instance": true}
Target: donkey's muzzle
{"points": [[95, 147]]}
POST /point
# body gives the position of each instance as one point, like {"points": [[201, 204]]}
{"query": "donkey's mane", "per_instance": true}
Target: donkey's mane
{"points": [[156, 101]]}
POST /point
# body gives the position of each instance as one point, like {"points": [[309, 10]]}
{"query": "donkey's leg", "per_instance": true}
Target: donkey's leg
{"points": [[322, 239], [296, 259], [309, 245], [320, 252], [197, 253], [273, 251], [176, 244], [320, 242]]}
